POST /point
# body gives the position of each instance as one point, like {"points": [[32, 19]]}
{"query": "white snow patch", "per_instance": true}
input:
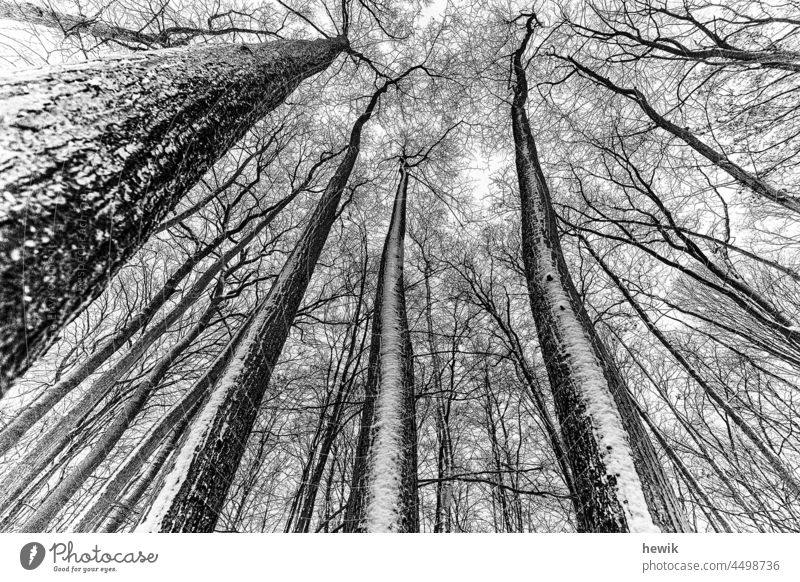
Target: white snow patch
{"points": [[611, 436], [385, 476], [607, 424]]}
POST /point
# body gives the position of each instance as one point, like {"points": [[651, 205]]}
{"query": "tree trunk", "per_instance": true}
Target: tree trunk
{"points": [[383, 497], [95, 155], [619, 481], [196, 486], [691, 430]]}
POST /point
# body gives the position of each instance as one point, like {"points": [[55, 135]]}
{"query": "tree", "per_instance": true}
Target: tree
{"points": [[383, 494], [618, 478], [738, 39], [98, 153], [270, 355]]}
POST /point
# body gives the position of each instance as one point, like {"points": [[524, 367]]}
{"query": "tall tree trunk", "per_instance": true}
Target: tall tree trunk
{"points": [[95, 155], [308, 496], [620, 483], [383, 497], [196, 486], [691, 430]]}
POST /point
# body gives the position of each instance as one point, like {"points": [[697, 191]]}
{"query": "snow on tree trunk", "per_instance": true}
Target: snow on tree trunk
{"points": [[28, 416], [386, 494], [620, 483], [93, 156], [196, 486]]}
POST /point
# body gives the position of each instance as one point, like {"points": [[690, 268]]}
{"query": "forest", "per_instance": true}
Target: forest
{"points": [[399, 266]]}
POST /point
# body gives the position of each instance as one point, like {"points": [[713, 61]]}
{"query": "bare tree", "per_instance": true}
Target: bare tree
{"points": [[596, 328], [620, 483], [383, 495]]}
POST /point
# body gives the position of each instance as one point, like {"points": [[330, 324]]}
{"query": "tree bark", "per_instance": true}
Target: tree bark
{"points": [[95, 155], [619, 481], [383, 495]]}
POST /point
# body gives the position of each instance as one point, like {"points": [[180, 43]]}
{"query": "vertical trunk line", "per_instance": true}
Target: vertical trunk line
{"points": [[620, 483], [386, 500]]}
